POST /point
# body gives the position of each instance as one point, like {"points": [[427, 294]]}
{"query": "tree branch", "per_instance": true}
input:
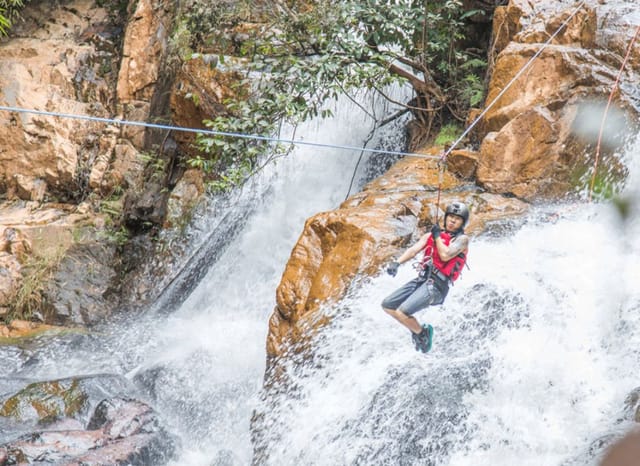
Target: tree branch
{"points": [[422, 87]]}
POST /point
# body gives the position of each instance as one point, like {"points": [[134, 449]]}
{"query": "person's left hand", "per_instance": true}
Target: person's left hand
{"points": [[392, 268], [435, 231]]}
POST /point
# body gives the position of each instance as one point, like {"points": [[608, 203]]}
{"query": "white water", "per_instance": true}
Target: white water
{"points": [[211, 352], [535, 351]]}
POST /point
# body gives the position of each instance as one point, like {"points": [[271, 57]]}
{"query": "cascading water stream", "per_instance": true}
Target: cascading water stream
{"points": [[535, 351], [201, 364], [208, 364]]}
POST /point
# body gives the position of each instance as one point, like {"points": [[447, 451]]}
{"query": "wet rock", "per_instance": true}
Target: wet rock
{"points": [[355, 240], [121, 432], [81, 421], [77, 293], [46, 402], [632, 404]]}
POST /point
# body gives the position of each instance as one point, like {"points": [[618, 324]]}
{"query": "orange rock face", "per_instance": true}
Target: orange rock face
{"points": [[362, 235], [23, 329], [533, 144], [530, 148]]}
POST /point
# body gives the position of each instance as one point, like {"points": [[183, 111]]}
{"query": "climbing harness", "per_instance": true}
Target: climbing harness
{"points": [[425, 266], [606, 110]]}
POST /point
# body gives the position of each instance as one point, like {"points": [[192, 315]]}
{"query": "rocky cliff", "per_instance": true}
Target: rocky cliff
{"points": [[68, 186], [74, 191], [536, 142]]}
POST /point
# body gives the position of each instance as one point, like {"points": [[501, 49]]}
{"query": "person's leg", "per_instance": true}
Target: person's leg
{"points": [[392, 302], [408, 321], [423, 296]]}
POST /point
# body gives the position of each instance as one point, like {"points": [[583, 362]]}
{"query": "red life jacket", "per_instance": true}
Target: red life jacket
{"points": [[451, 268]]}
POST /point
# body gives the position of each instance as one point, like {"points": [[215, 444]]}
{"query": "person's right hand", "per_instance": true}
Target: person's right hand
{"points": [[435, 231], [392, 268]]}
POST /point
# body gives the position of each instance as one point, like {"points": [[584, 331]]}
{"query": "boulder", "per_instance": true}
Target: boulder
{"points": [[355, 240], [121, 431], [183, 199], [536, 131], [77, 292], [463, 163]]}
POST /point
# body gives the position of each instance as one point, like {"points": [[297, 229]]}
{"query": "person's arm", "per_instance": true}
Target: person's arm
{"points": [[457, 246], [413, 250]]}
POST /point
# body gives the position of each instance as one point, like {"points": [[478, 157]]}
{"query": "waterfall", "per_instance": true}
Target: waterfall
{"points": [[198, 354], [535, 351], [207, 364]]}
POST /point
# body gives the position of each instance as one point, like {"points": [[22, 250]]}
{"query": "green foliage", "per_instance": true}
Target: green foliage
{"points": [[118, 235], [308, 52], [155, 165], [448, 134], [37, 271], [211, 22], [112, 207], [180, 42], [9, 12], [116, 8], [471, 87]]}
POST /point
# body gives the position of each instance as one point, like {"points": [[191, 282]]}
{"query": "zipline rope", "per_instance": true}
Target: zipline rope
{"points": [[288, 141], [441, 158], [606, 110], [211, 132], [510, 83], [520, 72]]}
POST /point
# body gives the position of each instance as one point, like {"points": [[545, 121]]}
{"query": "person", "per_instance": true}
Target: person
{"points": [[444, 256]]}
